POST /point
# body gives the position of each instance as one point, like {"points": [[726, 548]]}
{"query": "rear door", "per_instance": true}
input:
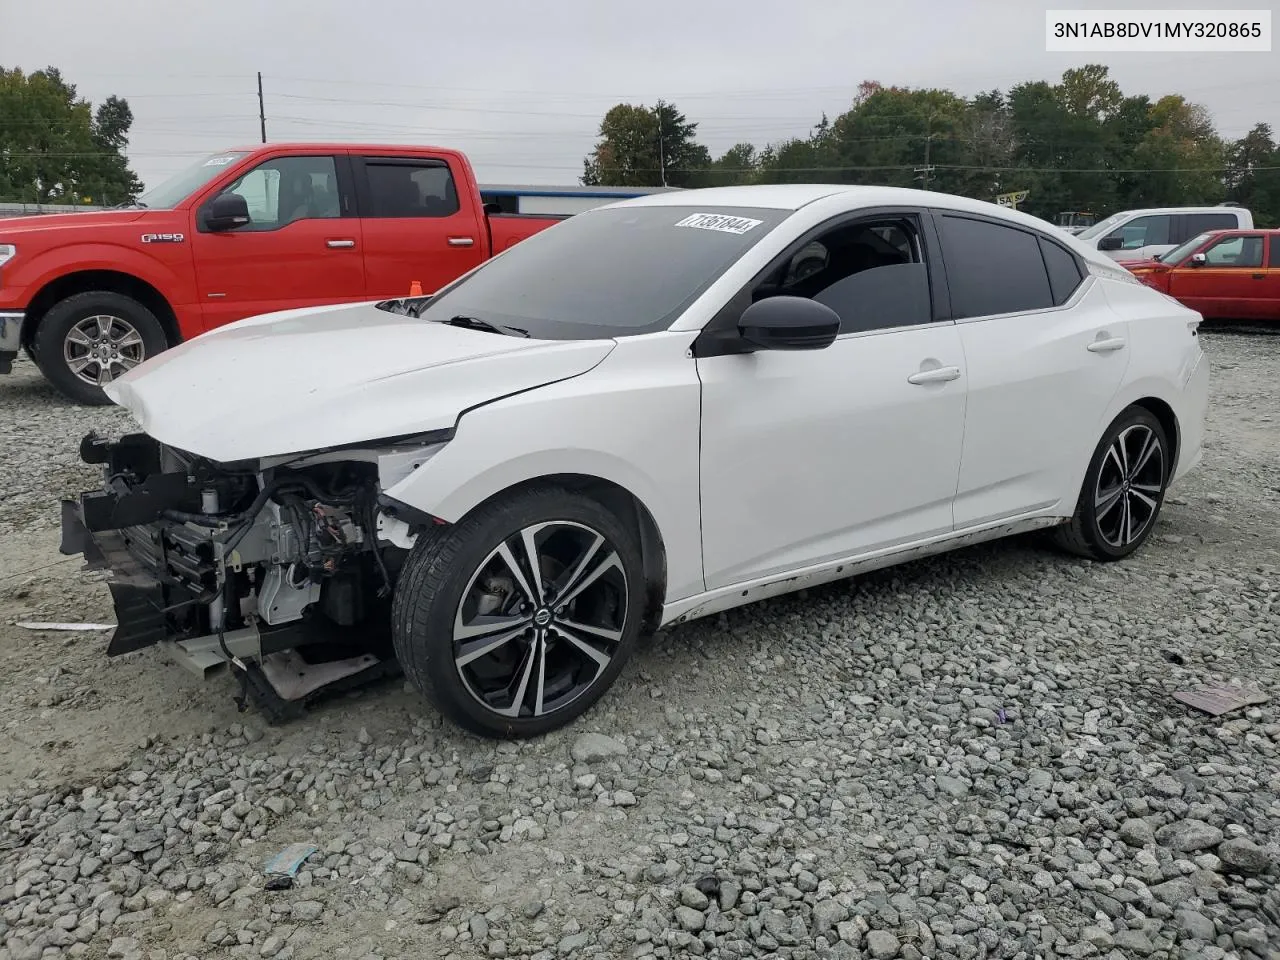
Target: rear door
{"points": [[1232, 281], [1269, 307], [1045, 356], [300, 249], [415, 226]]}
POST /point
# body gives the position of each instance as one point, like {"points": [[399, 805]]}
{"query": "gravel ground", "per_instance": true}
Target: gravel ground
{"points": [[976, 755]]}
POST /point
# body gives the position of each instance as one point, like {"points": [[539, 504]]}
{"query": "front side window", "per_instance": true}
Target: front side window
{"points": [[1143, 232], [169, 193], [407, 189], [872, 273], [1182, 251], [1238, 251], [288, 189], [608, 272], [993, 268]]}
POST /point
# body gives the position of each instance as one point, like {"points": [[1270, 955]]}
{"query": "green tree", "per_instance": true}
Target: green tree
{"points": [[1253, 174], [643, 146], [54, 149]]}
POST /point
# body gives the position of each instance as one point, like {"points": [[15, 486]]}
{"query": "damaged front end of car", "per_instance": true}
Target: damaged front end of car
{"points": [[281, 568]]}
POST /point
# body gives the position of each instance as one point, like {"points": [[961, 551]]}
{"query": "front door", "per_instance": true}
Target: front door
{"points": [[814, 455], [1231, 282], [301, 248]]}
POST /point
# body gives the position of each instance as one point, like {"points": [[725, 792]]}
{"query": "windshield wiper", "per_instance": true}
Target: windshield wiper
{"points": [[475, 323]]}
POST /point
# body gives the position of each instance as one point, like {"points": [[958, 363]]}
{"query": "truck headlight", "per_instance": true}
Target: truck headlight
{"points": [[7, 252]]}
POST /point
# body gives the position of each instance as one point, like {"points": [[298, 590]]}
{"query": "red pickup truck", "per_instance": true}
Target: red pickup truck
{"points": [[1221, 274], [241, 232]]}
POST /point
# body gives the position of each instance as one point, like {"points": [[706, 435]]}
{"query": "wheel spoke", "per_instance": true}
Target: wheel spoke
{"points": [[610, 562], [1104, 503], [1148, 448], [513, 565], [526, 671], [540, 690], [602, 659], [613, 635], [1152, 488], [1142, 497], [1126, 523], [129, 339], [79, 363], [487, 625], [80, 338], [1121, 442], [1114, 456], [467, 652], [531, 556], [104, 373], [104, 327]]}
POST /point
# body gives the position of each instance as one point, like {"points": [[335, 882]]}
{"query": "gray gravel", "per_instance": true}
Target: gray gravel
{"points": [[971, 756]]}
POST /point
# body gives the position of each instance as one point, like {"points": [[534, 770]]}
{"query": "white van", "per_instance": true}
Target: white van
{"points": [[1141, 234]]}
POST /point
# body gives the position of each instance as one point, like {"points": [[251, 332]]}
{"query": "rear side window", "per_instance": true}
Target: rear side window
{"points": [[1273, 259], [1064, 271], [1196, 223], [993, 269], [397, 189]]}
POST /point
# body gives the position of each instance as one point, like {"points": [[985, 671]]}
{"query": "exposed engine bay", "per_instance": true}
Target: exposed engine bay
{"points": [[282, 570]]}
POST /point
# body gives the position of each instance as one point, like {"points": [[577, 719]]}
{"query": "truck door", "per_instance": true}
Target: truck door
{"points": [[415, 225], [301, 247]]}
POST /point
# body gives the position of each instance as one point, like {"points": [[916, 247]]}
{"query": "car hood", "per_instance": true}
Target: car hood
{"points": [[303, 380], [11, 226]]}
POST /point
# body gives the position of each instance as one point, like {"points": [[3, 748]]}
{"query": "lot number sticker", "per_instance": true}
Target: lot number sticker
{"points": [[720, 223]]}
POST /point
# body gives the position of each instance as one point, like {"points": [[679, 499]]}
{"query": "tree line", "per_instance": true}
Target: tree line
{"points": [[1079, 144], [56, 148]]}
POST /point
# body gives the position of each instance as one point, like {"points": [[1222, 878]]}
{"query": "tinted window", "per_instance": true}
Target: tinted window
{"points": [[871, 273], [1194, 223], [410, 190], [1143, 232], [1235, 252], [1064, 271], [1273, 258], [286, 189], [993, 268], [607, 272]]}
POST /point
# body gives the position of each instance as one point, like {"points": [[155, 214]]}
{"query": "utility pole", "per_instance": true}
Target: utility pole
{"points": [[922, 173], [262, 113], [662, 151]]}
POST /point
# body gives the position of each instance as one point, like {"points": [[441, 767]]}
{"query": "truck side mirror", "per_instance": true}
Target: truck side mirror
{"points": [[1110, 243], [227, 211]]}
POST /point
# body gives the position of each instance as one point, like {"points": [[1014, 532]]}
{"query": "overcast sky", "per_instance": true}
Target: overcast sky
{"points": [[521, 86]]}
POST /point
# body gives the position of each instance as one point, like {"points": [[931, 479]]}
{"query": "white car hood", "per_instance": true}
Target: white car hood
{"points": [[303, 380]]}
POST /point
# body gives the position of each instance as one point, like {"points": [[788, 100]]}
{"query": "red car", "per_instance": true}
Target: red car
{"points": [[1228, 274], [241, 232]]}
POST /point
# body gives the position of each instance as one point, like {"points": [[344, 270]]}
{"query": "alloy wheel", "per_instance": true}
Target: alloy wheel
{"points": [[101, 347], [540, 619], [1130, 482]]}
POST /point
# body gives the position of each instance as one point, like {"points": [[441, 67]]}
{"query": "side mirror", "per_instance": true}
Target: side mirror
{"points": [[1198, 260], [1110, 243], [789, 323], [491, 208], [227, 211]]}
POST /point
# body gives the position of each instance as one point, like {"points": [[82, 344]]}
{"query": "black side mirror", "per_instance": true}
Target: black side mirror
{"points": [[227, 211], [789, 323], [491, 208], [1110, 243]]}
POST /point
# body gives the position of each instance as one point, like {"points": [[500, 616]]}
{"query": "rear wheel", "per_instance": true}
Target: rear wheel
{"points": [[1123, 489], [517, 619], [89, 339]]}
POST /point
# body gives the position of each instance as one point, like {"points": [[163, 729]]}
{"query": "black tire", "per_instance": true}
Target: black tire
{"points": [[1097, 530], [52, 341], [438, 577]]}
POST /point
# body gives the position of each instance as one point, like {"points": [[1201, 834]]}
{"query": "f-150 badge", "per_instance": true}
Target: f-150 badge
{"points": [[163, 238]]}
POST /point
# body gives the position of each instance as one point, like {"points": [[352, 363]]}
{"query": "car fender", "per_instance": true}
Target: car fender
{"points": [[633, 421], [56, 262]]}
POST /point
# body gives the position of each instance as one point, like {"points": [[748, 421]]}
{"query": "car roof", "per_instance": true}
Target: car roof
{"points": [[1148, 211]]}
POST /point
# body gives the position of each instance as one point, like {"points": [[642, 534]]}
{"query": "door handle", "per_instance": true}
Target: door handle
{"points": [[335, 244], [461, 241], [936, 375], [1259, 276], [1107, 345]]}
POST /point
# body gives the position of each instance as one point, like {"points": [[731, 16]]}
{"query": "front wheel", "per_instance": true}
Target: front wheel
{"points": [[1123, 489], [518, 618], [89, 339]]}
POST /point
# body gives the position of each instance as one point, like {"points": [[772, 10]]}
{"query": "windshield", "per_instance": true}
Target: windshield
{"points": [[169, 193], [606, 272], [1182, 252], [1101, 227]]}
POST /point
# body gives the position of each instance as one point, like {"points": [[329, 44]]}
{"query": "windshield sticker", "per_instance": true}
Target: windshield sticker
{"points": [[720, 223], [219, 161]]}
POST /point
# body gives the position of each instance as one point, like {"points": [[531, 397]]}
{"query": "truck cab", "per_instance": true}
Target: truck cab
{"points": [[240, 232], [1141, 234]]}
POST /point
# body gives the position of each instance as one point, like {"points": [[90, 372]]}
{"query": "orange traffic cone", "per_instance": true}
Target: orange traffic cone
{"points": [[415, 289]]}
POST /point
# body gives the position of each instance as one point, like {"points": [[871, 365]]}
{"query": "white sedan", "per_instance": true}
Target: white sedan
{"points": [[654, 411]]}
